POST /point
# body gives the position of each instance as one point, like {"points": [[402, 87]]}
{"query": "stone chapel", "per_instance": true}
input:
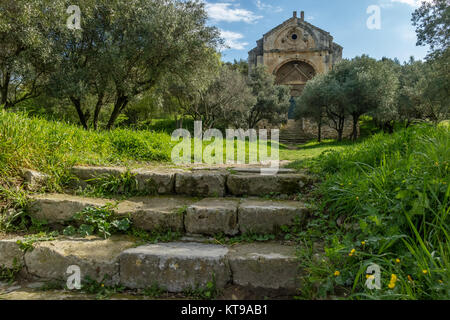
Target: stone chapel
{"points": [[294, 52]]}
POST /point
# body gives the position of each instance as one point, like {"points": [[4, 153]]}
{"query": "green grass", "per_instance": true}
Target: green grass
{"points": [[311, 150], [386, 198], [53, 147]]}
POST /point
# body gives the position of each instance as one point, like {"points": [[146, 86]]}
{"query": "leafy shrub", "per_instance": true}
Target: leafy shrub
{"points": [[101, 220]]}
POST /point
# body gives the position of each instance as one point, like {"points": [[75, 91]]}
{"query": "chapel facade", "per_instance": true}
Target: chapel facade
{"points": [[294, 52]]}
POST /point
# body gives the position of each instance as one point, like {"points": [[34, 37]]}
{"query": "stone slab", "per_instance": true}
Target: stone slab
{"points": [[96, 259], [211, 216], [262, 185], [175, 266], [264, 265], [268, 216], [157, 213], [60, 208], [201, 183], [9, 253]]}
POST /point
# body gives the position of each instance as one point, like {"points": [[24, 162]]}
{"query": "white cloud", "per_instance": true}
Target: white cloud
{"points": [[229, 13], [232, 40], [412, 3], [264, 6]]}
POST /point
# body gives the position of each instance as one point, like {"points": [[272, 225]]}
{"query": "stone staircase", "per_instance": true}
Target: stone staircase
{"points": [[292, 134], [196, 203]]}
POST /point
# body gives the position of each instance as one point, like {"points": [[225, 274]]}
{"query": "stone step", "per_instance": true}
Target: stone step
{"points": [[176, 266], [205, 183], [209, 216]]}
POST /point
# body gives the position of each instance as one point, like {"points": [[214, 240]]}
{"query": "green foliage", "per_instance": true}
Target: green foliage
{"points": [[386, 198], [101, 290], [100, 220], [353, 88], [25, 55], [54, 147], [111, 185], [208, 292], [272, 101], [10, 274], [432, 22], [27, 244], [154, 236], [154, 291], [224, 102]]}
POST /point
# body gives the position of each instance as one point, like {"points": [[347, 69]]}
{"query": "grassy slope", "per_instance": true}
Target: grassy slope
{"points": [[384, 201], [389, 191], [52, 147]]}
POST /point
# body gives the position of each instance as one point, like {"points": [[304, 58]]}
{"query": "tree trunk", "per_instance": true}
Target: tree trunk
{"points": [[120, 104], [319, 133], [77, 103], [98, 108], [4, 90], [355, 127]]}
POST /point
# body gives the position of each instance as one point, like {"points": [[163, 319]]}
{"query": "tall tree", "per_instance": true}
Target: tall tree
{"points": [[272, 102], [151, 39], [24, 48], [432, 22], [225, 102], [368, 85], [313, 102], [125, 48]]}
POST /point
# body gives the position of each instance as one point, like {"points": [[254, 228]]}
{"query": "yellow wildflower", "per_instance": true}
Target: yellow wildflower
{"points": [[369, 276], [410, 278], [337, 273], [393, 281], [352, 252], [363, 243], [425, 271], [103, 285], [397, 260]]}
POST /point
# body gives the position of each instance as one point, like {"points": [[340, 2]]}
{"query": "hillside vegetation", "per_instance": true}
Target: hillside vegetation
{"points": [[384, 201]]}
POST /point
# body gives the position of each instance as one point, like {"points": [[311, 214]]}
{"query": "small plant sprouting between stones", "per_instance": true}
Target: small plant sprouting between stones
{"points": [[154, 291], [101, 290], [10, 274], [28, 241], [98, 220], [208, 292], [106, 184]]}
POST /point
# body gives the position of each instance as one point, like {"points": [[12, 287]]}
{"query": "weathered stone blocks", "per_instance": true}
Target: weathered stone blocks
{"points": [[175, 266], [265, 216], [10, 254], [213, 216], [59, 208], [204, 183], [97, 259], [264, 265], [260, 185]]}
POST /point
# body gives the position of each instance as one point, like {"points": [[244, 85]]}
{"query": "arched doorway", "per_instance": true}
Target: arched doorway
{"points": [[294, 73]]}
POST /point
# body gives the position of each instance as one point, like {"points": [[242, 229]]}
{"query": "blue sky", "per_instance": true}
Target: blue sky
{"points": [[242, 22]]}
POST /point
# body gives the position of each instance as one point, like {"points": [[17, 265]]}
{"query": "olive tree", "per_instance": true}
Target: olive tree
{"points": [[25, 48], [272, 100]]}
